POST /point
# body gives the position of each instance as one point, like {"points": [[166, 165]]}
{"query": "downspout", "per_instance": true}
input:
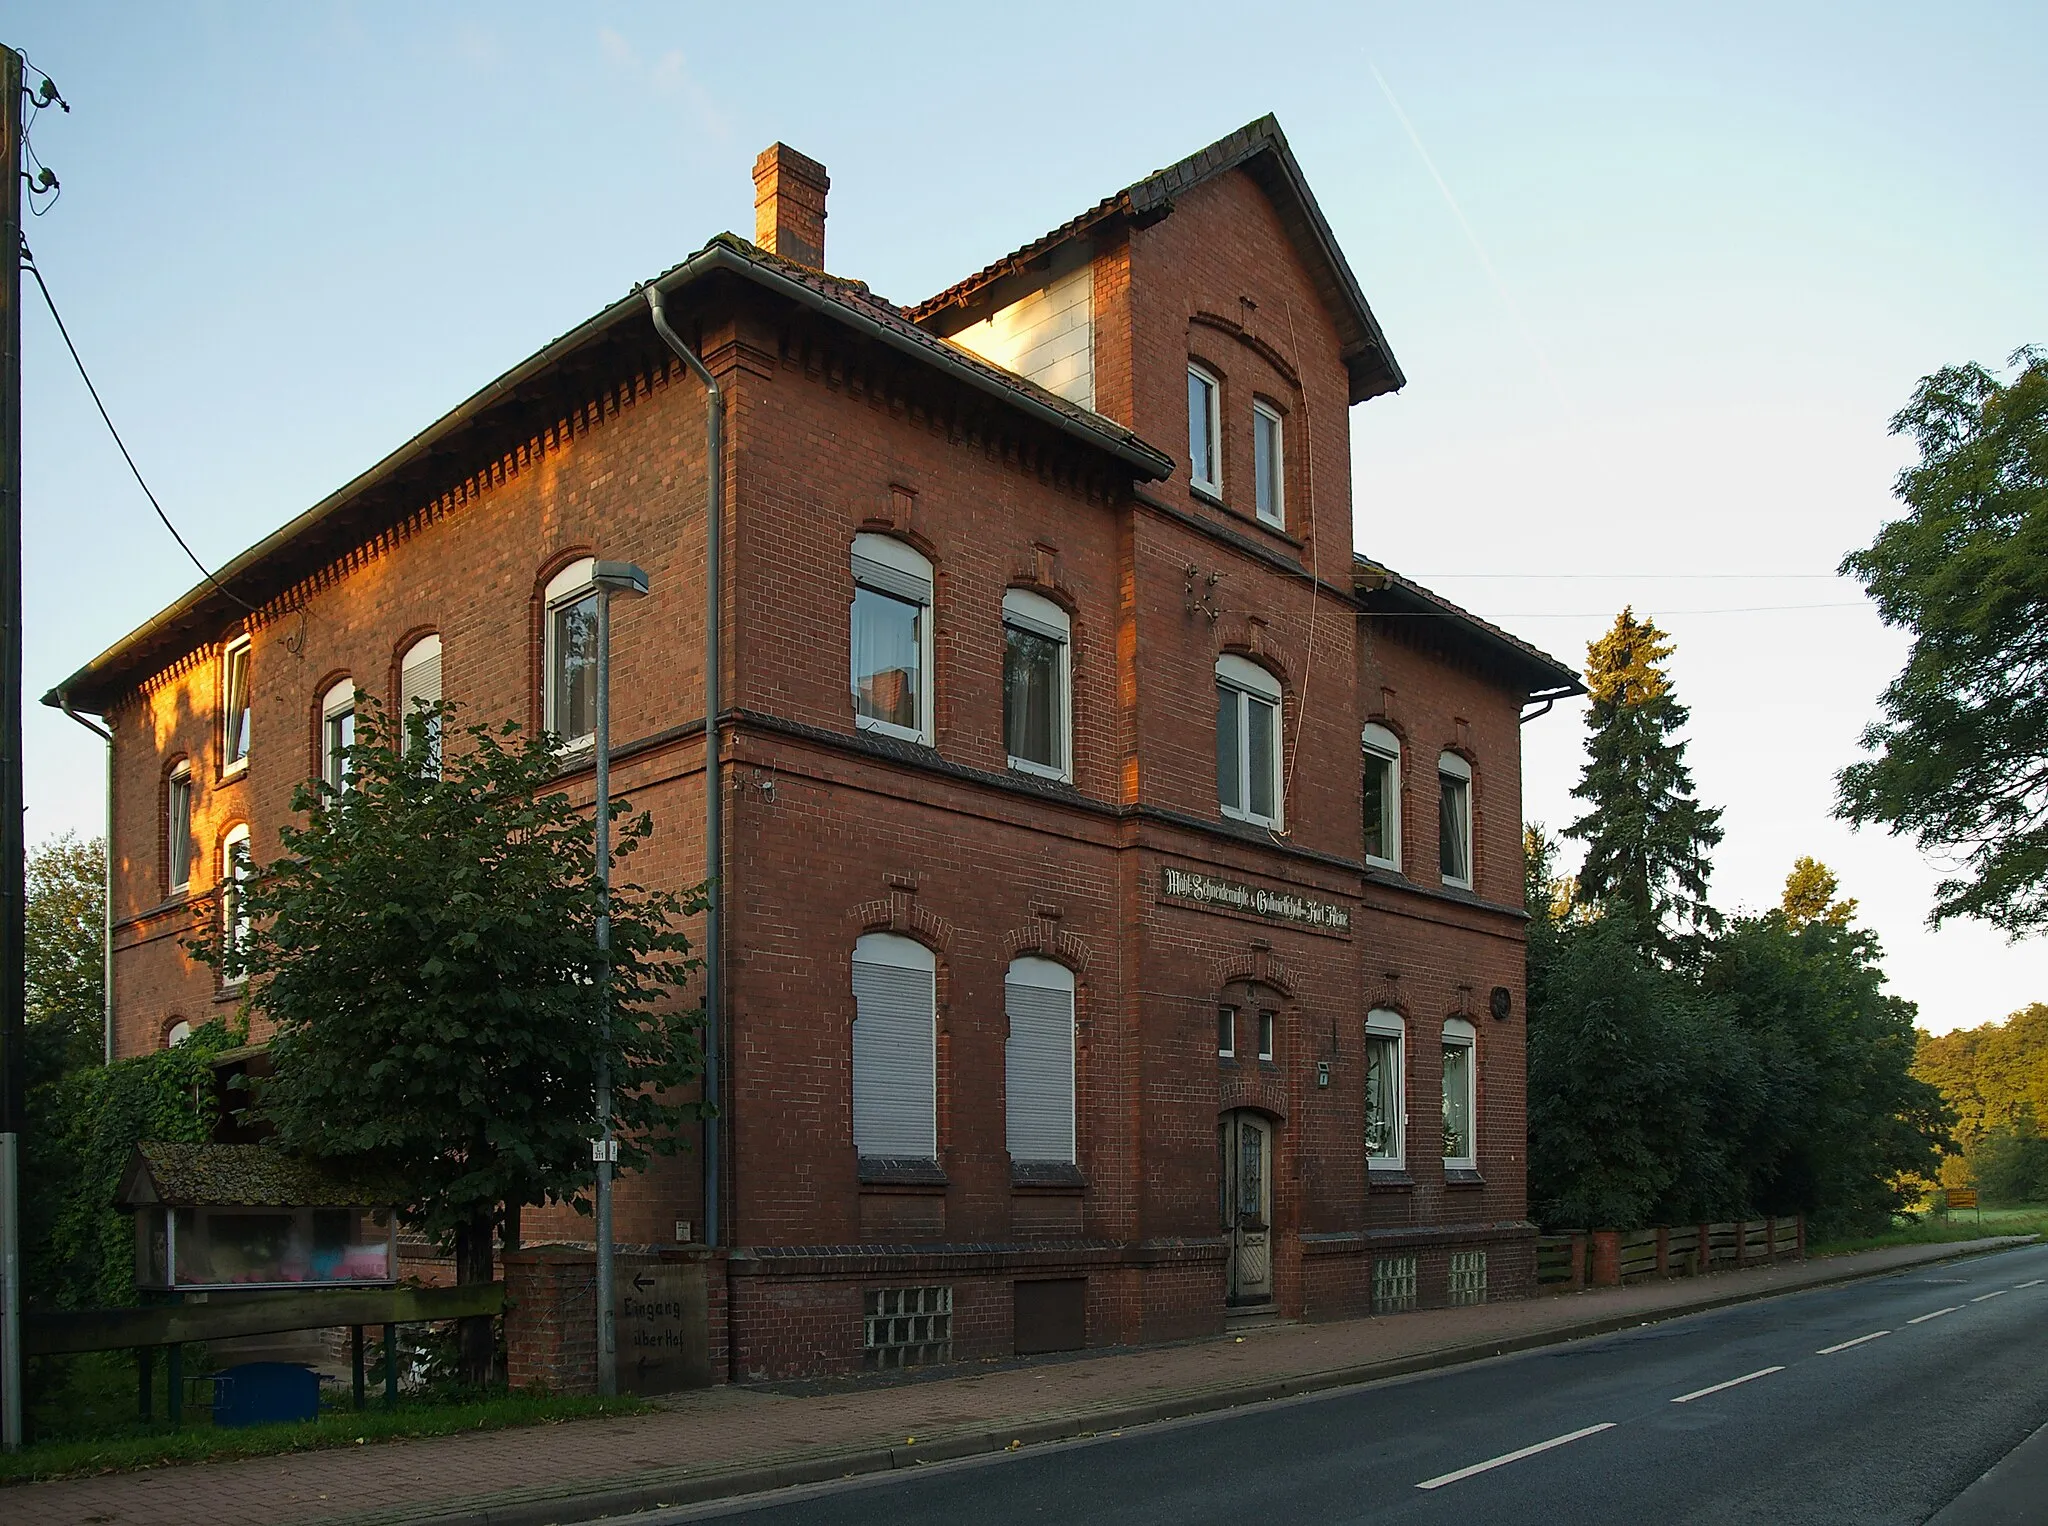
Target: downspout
{"points": [[107, 854], [714, 815]]}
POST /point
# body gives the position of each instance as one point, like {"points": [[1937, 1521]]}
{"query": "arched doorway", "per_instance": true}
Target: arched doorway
{"points": [[1244, 1159]]}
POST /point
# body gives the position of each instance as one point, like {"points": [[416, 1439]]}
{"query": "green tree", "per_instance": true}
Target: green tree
{"points": [[2009, 1164], [424, 950], [1960, 759], [1845, 1123], [63, 964], [1647, 838], [1635, 1089], [1810, 896], [1993, 1075]]}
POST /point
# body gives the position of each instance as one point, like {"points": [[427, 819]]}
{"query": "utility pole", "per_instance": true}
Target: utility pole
{"points": [[13, 933]]}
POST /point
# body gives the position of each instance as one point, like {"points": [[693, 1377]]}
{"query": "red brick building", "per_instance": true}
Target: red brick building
{"points": [[1122, 877]]}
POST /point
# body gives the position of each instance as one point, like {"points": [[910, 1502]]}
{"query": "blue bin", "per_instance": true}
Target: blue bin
{"points": [[264, 1393]]}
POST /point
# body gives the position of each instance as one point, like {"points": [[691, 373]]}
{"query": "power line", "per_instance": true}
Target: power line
{"points": [[28, 262]]}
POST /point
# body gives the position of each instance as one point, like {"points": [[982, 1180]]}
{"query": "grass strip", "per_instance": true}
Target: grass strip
{"points": [[338, 1428]]}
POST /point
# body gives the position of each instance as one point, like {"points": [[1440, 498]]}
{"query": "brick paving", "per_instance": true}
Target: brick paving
{"points": [[725, 1429]]}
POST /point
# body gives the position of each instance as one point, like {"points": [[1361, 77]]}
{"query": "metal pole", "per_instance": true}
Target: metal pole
{"points": [[714, 798], [12, 931], [607, 1350]]}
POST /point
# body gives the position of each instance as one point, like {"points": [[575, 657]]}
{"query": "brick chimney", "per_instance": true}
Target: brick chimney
{"points": [[789, 205]]}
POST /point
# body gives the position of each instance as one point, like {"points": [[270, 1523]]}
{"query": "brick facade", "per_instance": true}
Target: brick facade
{"points": [[839, 424]]}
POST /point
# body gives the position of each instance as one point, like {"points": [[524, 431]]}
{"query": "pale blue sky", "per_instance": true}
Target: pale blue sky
{"points": [[1725, 241]]}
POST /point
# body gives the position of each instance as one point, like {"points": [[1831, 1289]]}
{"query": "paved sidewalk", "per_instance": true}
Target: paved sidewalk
{"points": [[736, 1440]]}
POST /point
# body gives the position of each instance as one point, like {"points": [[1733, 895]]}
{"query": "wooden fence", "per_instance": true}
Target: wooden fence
{"points": [[1613, 1257]]}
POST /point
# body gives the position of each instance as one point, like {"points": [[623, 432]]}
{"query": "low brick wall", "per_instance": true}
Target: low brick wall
{"points": [[551, 1318]]}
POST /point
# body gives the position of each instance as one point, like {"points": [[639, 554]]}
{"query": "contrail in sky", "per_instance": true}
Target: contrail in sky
{"points": [[1500, 287]]}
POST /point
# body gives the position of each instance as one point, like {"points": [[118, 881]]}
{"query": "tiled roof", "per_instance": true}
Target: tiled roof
{"points": [[1261, 149], [856, 296], [1378, 586], [242, 1176], [491, 421]]}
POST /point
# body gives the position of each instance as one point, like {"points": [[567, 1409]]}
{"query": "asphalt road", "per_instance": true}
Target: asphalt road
{"points": [[1792, 1410]]}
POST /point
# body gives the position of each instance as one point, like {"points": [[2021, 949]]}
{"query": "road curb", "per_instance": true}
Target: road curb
{"points": [[565, 1505]]}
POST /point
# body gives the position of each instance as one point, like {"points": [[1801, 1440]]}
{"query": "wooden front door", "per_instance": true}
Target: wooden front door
{"points": [[1244, 1143]]}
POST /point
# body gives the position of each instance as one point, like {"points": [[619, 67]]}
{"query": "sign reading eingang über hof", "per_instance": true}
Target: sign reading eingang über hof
{"points": [[1213, 893]]}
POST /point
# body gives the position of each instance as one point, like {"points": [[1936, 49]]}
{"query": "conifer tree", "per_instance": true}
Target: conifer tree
{"points": [[1647, 838]]}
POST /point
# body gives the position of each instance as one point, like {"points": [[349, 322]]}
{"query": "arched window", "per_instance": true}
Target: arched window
{"points": [[234, 920], [1038, 1061], [1386, 1089], [419, 683], [1454, 819], [1247, 741], [337, 732], [178, 828], [892, 639], [234, 706], [1382, 797], [895, 1049], [1037, 685], [1460, 1094], [1205, 431], [569, 663], [176, 1033], [1269, 465]]}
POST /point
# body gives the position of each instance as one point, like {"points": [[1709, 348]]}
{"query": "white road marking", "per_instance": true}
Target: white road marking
{"points": [[1995, 1293], [1747, 1377], [2034, 1284], [1921, 1320], [1831, 1350], [1516, 1456]]}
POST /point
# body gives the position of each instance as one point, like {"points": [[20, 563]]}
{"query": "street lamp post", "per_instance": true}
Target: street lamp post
{"points": [[610, 578]]}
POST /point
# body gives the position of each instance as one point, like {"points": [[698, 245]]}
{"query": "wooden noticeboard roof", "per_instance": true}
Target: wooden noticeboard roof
{"points": [[241, 1175]]}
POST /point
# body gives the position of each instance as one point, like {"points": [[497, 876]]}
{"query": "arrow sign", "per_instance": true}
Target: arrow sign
{"points": [[642, 1282]]}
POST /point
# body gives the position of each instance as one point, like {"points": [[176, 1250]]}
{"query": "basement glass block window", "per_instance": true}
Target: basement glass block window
{"points": [[907, 1327], [1393, 1284], [1468, 1276]]}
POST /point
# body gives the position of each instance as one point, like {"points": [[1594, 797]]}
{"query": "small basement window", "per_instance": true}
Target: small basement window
{"points": [[907, 1327]]}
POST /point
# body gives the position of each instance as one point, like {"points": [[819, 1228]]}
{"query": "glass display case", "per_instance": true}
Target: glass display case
{"points": [[189, 1248]]}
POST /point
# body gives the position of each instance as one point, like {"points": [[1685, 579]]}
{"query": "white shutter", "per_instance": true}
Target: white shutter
{"points": [[419, 679], [895, 1067], [1038, 1067]]}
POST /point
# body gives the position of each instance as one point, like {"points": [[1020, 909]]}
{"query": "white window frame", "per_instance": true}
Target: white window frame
{"points": [[1040, 976], [1450, 766], [235, 869], [177, 1033], [1274, 514], [1212, 484], [569, 586], [882, 564], [1380, 743], [181, 775], [1032, 612], [1268, 1020], [339, 700], [915, 1138], [1249, 682], [418, 655], [235, 653], [1381, 1024], [1226, 1051], [1459, 1034]]}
